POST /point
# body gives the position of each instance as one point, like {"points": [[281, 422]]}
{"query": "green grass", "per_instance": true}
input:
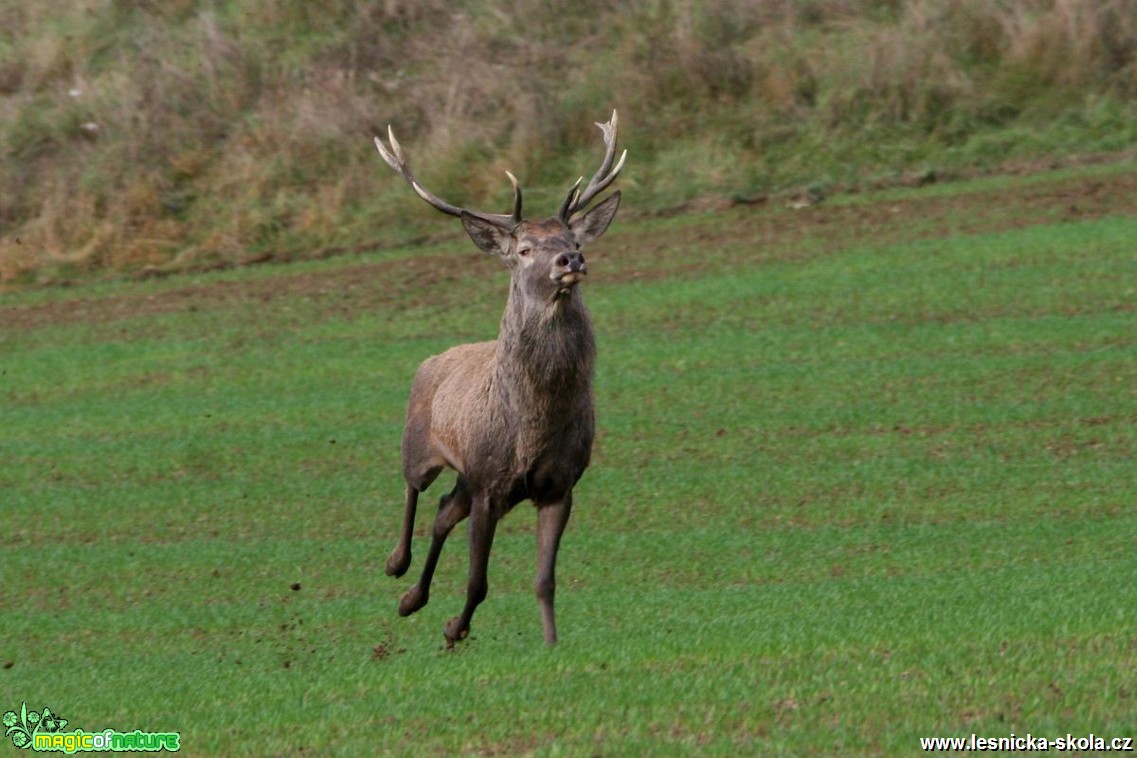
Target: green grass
{"points": [[854, 485]]}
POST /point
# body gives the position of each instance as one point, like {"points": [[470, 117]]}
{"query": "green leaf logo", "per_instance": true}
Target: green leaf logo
{"points": [[50, 722], [23, 727]]}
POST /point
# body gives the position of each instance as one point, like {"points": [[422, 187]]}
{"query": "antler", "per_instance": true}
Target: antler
{"points": [[396, 160], [604, 176]]}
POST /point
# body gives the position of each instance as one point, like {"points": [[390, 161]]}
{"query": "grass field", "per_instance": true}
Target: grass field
{"points": [[865, 473]]}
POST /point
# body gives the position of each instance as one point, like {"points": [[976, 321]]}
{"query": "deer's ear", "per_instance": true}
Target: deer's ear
{"points": [[489, 238], [594, 223]]}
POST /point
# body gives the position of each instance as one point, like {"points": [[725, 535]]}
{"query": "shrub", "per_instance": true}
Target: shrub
{"points": [[180, 133]]}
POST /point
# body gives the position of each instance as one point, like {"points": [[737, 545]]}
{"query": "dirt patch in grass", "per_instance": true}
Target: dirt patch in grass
{"points": [[716, 238], [407, 282], [750, 233]]}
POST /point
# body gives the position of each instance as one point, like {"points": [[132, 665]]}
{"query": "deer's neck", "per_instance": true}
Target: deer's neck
{"points": [[545, 357]]}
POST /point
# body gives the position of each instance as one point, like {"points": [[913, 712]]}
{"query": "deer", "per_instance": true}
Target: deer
{"points": [[514, 417]]}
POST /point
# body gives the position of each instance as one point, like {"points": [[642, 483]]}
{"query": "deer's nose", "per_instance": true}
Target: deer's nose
{"points": [[574, 262]]}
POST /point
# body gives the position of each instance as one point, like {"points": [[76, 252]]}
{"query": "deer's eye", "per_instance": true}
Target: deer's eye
{"points": [[524, 252]]}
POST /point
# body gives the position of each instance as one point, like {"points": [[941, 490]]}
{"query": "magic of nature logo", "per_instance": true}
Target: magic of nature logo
{"points": [[45, 731]]}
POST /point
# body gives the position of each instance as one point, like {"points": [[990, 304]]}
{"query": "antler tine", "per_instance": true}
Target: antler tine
{"points": [[516, 198], [594, 187], [395, 158], [604, 176], [566, 209], [610, 130]]}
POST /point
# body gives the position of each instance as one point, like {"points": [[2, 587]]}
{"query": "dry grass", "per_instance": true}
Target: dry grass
{"points": [[144, 133]]}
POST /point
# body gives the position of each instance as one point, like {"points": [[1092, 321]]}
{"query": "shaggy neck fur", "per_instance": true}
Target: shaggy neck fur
{"points": [[546, 352]]}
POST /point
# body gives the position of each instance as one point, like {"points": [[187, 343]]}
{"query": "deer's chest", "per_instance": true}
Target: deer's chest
{"points": [[541, 469]]}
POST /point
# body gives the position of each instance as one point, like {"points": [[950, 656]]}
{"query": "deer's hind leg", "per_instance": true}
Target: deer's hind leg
{"points": [[400, 558], [452, 509]]}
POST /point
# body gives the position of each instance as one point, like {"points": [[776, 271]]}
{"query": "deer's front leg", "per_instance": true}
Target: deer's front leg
{"points": [[452, 508], [551, 520], [483, 524]]}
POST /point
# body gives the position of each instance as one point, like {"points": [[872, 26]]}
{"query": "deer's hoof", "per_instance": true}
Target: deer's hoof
{"points": [[412, 601], [455, 632], [398, 562]]}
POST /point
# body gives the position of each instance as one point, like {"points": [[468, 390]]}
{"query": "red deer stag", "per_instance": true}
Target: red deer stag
{"points": [[513, 417]]}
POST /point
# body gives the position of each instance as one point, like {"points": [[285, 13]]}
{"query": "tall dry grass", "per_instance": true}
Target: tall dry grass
{"points": [[137, 132]]}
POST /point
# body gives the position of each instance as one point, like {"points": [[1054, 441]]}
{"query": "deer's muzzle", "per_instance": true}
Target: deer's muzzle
{"points": [[570, 268]]}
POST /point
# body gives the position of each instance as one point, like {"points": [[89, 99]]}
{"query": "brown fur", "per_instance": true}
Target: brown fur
{"points": [[514, 417]]}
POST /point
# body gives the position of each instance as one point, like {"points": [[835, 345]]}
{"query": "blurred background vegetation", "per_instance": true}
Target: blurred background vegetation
{"points": [[177, 134]]}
